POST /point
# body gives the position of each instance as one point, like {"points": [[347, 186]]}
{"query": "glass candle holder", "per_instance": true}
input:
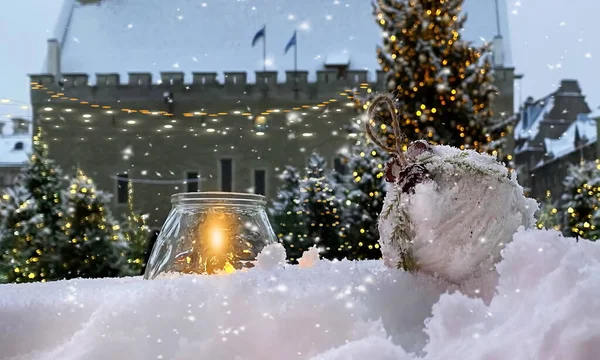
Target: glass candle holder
{"points": [[209, 233]]}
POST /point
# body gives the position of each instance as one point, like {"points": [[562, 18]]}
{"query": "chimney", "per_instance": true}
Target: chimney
{"points": [[569, 86], [53, 58], [498, 51]]}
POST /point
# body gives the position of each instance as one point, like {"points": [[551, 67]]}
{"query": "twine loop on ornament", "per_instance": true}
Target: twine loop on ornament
{"points": [[399, 136]]}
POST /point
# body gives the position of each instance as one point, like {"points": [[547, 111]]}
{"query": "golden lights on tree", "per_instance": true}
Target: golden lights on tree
{"points": [[443, 86]]}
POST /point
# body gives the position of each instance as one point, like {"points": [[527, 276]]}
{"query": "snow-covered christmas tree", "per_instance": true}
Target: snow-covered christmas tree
{"points": [[52, 228], [32, 221], [323, 209], [308, 211], [97, 246], [443, 84], [364, 190], [287, 215], [548, 217], [581, 200]]}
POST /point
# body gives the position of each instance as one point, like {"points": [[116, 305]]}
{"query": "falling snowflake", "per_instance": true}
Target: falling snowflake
{"points": [[127, 153], [305, 26]]}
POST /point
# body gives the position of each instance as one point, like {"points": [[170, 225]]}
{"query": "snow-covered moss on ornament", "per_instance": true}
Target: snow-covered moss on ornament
{"points": [[448, 212]]}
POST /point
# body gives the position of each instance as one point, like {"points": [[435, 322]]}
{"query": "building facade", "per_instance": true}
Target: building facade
{"points": [[15, 146], [207, 128], [553, 133]]}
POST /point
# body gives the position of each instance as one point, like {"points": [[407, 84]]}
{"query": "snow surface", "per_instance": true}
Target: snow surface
{"points": [[309, 258], [193, 35], [271, 257], [545, 307]]}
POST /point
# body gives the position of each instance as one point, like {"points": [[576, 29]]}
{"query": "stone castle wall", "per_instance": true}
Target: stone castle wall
{"points": [[113, 127]]}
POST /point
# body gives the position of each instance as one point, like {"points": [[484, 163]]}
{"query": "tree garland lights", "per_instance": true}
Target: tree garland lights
{"points": [[443, 85]]}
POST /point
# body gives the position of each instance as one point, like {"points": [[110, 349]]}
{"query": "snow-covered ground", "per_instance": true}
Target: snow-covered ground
{"points": [[545, 307]]}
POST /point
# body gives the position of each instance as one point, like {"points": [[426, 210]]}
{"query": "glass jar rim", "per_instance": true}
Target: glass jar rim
{"points": [[218, 197]]}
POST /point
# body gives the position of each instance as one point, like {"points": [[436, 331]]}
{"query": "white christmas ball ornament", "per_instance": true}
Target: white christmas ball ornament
{"points": [[448, 212]]}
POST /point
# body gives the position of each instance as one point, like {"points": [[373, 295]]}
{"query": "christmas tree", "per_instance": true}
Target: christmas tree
{"points": [[365, 192], [287, 215], [97, 246], [137, 235], [32, 222], [443, 85], [323, 210], [308, 212], [581, 200], [548, 216]]}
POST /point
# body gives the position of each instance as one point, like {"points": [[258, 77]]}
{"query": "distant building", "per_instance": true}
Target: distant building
{"points": [[552, 133], [15, 146], [171, 100]]}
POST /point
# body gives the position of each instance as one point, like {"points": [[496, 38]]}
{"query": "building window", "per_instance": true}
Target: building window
{"points": [[260, 182], [339, 165], [122, 188], [226, 175], [193, 181]]}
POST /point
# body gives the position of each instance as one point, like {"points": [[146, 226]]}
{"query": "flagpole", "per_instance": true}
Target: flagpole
{"points": [[265, 50], [296, 66]]}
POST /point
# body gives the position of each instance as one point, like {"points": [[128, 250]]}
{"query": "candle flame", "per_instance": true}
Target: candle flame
{"points": [[217, 238]]}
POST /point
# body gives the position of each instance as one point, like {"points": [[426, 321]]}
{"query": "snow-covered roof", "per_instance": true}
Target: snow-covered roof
{"points": [[535, 114], [112, 36], [565, 144], [14, 150]]}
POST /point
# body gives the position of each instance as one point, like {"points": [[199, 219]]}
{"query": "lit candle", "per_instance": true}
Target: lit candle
{"points": [[215, 243]]}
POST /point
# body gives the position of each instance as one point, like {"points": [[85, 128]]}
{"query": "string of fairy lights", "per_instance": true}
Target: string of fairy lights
{"points": [[349, 94]]}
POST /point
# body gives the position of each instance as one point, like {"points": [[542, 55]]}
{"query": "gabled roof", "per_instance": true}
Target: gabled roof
{"points": [[215, 35], [584, 128], [536, 111]]}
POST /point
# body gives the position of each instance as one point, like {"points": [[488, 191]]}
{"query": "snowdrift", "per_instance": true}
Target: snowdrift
{"points": [[545, 306]]}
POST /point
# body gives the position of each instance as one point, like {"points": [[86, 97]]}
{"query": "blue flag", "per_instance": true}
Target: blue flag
{"points": [[290, 43], [260, 34]]}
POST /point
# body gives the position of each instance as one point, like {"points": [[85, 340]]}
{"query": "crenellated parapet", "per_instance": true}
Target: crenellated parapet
{"points": [[292, 85], [210, 79]]}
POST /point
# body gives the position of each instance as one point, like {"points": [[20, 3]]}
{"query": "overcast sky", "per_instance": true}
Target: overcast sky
{"points": [[551, 40], [554, 40]]}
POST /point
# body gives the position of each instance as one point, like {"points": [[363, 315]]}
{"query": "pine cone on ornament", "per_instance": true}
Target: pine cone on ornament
{"points": [[447, 212]]}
